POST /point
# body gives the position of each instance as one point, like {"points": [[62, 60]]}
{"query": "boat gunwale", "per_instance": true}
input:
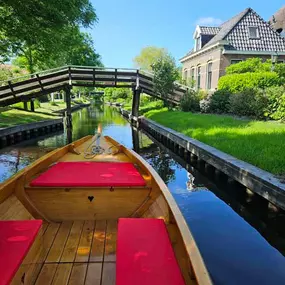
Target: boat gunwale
{"points": [[200, 270]]}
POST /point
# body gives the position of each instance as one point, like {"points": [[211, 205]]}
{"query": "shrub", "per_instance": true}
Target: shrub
{"points": [[250, 102], [250, 65], [276, 103], [37, 103], [190, 101], [219, 101], [239, 82], [53, 103]]}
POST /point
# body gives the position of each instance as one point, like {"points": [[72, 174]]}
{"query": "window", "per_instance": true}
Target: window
{"points": [[234, 61], [192, 74], [253, 32], [198, 77], [185, 74], [209, 75]]}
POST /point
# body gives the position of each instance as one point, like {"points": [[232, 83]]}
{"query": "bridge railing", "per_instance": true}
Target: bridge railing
{"points": [[30, 86]]}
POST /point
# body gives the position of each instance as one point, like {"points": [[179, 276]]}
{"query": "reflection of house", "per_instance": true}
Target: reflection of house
{"points": [[244, 36]]}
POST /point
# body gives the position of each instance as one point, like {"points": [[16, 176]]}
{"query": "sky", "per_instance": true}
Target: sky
{"points": [[127, 26]]}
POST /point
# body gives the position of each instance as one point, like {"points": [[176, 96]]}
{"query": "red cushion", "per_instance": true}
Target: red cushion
{"points": [[145, 255], [90, 174], [16, 238]]}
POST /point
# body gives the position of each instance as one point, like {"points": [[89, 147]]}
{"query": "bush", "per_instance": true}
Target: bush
{"points": [[190, 101], [276, 103], [250, 102], [239, 82], [219, 102], [53, 103]]}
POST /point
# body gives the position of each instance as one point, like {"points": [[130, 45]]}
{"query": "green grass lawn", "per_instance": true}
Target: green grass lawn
{"points": [[15, 117], [259, 143]]}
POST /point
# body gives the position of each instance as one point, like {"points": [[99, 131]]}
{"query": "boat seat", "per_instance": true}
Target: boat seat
{"points": [[16, 238], [145, 254], [90, 174]]}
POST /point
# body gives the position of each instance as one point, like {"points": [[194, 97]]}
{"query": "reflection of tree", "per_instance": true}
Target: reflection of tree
{"points": [[163, 164]]}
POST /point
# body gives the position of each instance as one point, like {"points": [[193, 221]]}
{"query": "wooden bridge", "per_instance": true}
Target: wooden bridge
{"points": [[26, 88]]}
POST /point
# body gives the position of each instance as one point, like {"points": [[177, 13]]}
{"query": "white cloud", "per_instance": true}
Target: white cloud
{"points": [[209, 21]]}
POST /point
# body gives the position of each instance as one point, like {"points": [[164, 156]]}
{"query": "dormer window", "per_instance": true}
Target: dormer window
{"points": [[253, 32], [198, 43]]}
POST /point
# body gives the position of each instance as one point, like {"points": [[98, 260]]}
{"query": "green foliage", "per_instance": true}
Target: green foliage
{"points": [[276, 103], [38, 32], [190, 101], [219, 102], [250, 65], [148, 56], [239, 82], [52, 103], [165, 74], [251, 102], [115, 94]]}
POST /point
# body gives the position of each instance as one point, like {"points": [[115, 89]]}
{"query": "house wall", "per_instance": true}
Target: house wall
{"points": [[220, 62], [203, 60]]}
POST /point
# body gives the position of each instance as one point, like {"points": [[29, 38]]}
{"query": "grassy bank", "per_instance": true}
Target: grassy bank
{"points": [[15, 117], [259, 143]]}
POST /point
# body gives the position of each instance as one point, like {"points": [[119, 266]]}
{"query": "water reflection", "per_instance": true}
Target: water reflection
{"points": [[223, 221]]}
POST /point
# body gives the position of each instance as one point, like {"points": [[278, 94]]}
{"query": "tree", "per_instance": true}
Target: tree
{"points": [[33, 29], [148, 56], [165, 74]]}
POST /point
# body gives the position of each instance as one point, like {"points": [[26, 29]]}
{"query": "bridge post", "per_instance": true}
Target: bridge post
{"points": [[136, 102], [68, 117], [32, 105], [25, 105]]}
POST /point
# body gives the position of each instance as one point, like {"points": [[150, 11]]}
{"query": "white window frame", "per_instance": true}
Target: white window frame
{"points": [[199, 76], [257, 32], [207, 77]]}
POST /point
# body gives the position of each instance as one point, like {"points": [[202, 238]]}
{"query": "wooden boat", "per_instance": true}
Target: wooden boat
{"points": [[108, 218]]}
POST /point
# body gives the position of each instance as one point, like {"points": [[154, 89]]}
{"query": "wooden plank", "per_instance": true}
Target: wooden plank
{"points": [[59, 242], [49, 237], [62, 274], [72, 242], [84, 247], [46, 275], [109, 274], [93, 276], [98, 243], [61, 205], [78, 273], [111, 240]]}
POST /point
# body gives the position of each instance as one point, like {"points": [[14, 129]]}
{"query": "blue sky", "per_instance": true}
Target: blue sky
{"points": [[126, 26]]}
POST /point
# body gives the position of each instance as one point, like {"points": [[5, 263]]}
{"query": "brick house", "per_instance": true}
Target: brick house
{"points": [[244, 36]]}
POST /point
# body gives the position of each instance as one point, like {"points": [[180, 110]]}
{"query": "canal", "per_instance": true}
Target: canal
{"points": [[240, 243]]}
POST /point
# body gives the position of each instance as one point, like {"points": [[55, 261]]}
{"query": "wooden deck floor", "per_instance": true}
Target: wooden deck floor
{"points": [[79, 252]]}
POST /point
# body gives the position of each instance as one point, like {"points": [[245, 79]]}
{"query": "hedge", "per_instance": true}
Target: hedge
{"points": [[238, 82]]}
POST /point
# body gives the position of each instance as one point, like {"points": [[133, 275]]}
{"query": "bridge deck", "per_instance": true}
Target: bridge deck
{"points": [[26, 88]]}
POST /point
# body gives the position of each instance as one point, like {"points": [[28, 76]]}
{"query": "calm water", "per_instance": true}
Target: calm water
{"points": [[229, 233]]}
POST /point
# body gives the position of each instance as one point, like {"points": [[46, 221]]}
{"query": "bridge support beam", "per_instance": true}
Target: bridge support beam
{"points": [[136, 102], [68, 117], [32, 105], [25, 105]]}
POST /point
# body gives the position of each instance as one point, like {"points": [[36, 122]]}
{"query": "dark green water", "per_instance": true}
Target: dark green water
{"points": [[235, 240]]}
